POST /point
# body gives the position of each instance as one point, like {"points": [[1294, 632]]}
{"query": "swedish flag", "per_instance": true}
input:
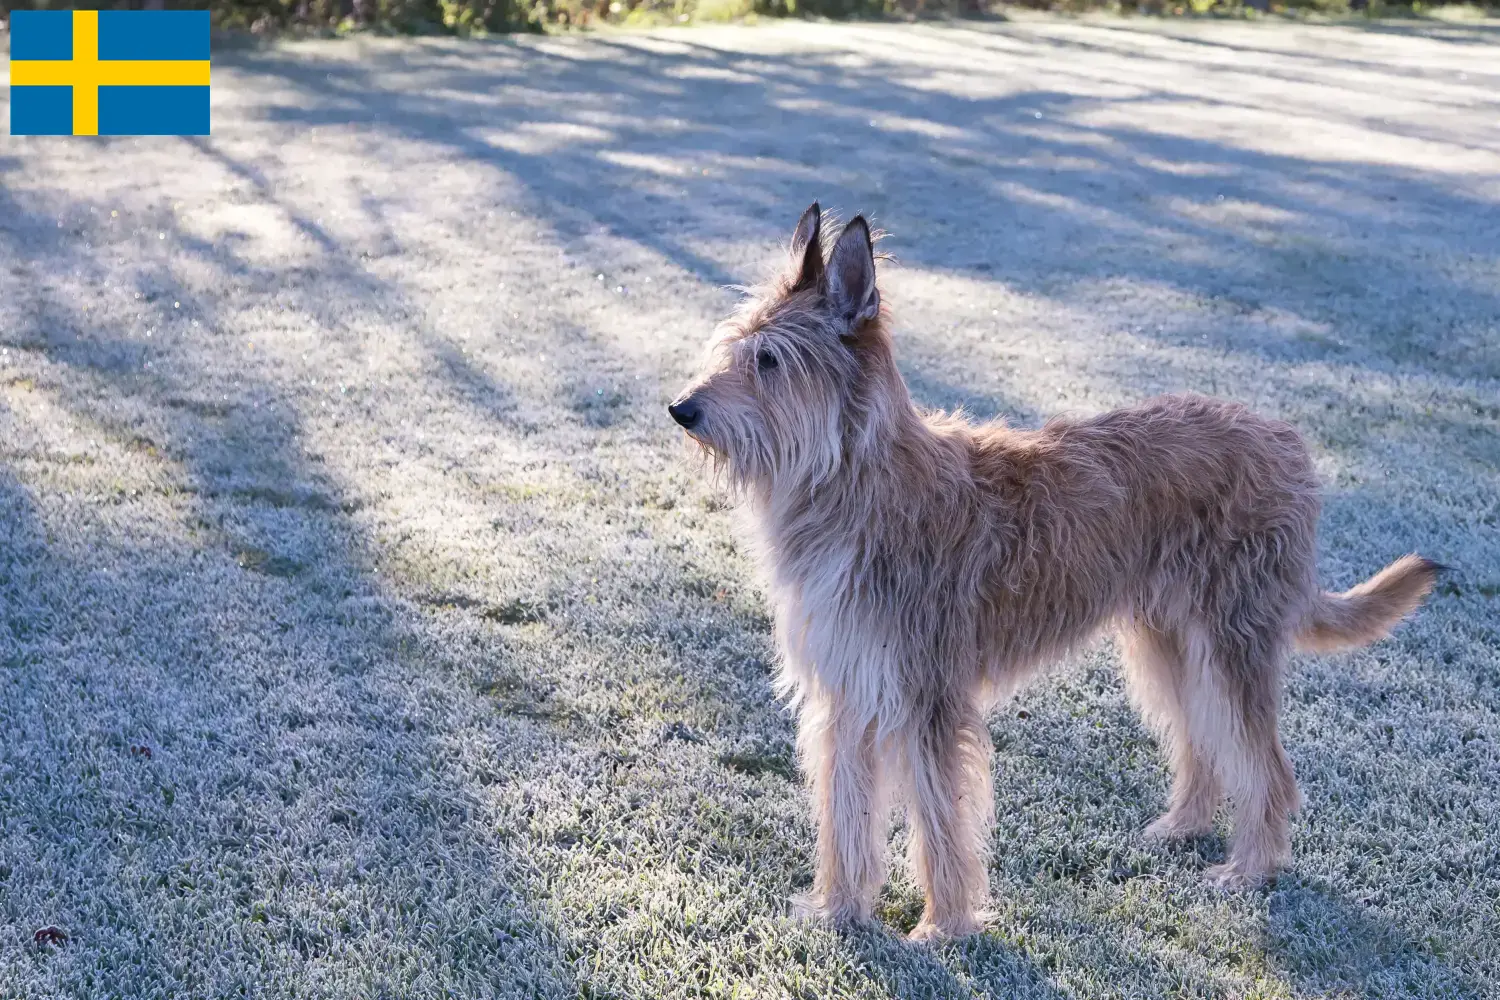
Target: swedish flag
{"points": [[111, 72]]}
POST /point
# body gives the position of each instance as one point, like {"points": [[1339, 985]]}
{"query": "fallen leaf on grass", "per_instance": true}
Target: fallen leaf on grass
{"points": [[49, 935]]}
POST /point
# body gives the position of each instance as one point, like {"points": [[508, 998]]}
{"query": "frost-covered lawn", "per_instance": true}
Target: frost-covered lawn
{"points": [[365, 632]]}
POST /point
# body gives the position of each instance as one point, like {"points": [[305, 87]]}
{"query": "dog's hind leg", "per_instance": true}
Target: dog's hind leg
{"points": [[946, 760], [1253, 765], [844, 765], [1170, 680]]}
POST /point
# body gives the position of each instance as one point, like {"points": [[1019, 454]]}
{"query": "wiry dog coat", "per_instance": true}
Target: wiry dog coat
{"points": [[921, 566]]}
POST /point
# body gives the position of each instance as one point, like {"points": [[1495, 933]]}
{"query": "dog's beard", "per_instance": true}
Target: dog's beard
{"points": [[715, 462], [739, 466], [746, 458]]}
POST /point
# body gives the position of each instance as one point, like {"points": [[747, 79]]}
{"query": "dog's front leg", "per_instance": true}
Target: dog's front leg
{"points": [[946, 756], [842, 762]]}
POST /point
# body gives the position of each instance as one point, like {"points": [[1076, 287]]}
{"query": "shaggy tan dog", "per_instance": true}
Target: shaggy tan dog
{"points": [[921, 567]]}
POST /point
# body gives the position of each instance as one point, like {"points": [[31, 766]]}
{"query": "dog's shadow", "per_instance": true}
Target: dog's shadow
{"points": [[1330, 945], [1322, 943], [976, 966], [1318, 941]]}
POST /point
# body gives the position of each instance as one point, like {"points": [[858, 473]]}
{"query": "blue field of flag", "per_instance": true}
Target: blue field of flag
{"points": [[113, 72]]}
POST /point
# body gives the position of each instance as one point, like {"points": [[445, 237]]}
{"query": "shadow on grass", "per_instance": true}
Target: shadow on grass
{"points": [[1015, 166], [975, 967], [229, 688], [1329, 945], [1453, 32]]}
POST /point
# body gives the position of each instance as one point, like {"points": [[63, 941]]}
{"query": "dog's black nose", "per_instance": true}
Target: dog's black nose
{"points": [[685, 412]]}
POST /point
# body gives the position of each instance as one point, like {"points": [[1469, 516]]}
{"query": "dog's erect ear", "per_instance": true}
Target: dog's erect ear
{"points": [[851, 276], [807, 249]]}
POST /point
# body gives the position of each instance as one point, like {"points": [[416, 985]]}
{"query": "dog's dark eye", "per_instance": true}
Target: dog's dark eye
{"points": [[765, 360]]}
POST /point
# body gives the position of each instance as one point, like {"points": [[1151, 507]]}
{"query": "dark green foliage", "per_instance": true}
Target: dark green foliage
{"points": [[270, 16]]}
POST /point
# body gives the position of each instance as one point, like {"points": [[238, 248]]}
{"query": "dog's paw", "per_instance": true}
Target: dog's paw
{"points": [[808, 907], [1172, 826], [929, 931], [925, 933], [815, 908], [1235, 877]]}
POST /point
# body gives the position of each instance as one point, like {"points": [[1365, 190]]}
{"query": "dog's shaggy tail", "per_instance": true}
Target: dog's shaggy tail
{"points": [[1359, 616]]}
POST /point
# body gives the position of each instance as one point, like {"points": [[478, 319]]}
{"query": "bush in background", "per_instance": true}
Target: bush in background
{"points": [[272, 16]]}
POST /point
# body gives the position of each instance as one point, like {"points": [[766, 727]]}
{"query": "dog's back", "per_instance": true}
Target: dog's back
{"points": [[1182, 505], [1182, 508]]}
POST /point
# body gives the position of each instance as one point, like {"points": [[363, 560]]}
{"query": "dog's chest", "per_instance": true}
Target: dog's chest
{"points": [[834, 627]]}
